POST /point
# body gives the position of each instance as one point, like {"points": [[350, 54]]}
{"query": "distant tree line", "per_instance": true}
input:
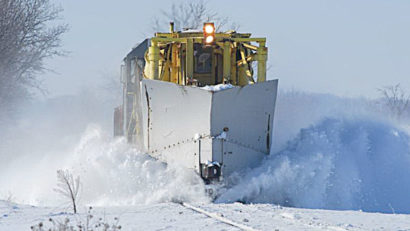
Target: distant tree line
{"points": [[29, 33], [191, 15], [396, 100]]}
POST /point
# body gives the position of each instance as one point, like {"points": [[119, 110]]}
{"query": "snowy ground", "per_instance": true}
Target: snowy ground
{"points": [[172, 216]]}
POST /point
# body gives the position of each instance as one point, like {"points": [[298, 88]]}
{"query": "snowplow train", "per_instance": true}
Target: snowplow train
{"points": [[192, 97]]}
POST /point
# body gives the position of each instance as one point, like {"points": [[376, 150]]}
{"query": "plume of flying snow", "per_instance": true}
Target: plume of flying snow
{"points": [[335, 164], [329, 152]]}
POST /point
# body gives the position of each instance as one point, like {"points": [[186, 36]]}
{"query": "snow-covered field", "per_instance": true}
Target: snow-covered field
{"points": [[172, 216], [337, 164]]}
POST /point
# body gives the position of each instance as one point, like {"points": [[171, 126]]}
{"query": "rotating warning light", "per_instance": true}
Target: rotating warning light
{"points": [[209, 28], [209, 32]]}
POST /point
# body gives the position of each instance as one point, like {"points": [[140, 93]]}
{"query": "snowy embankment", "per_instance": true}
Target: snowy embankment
{"points": [[329, 153]]}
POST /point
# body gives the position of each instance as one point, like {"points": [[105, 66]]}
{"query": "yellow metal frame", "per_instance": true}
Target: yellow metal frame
{"points": [[171, 57]]}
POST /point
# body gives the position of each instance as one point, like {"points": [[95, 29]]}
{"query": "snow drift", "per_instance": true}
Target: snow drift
{"points": [[72, 132], [336, 164], [126, 176], [111, 173]]}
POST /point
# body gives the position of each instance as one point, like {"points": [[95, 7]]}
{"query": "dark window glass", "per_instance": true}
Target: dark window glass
{"points": [[202, 59]]}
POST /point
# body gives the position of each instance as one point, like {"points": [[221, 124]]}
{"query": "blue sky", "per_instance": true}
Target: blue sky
{"points": [[348, 48]]}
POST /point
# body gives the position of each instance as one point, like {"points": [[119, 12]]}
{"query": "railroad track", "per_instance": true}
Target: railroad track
{"points": [[289, 219], [218, 217]]}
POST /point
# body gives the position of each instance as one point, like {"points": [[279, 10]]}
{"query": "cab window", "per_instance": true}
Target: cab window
{"points": [[202, 59]]}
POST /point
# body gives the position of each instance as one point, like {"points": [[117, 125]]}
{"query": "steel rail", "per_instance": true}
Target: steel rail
{"points": [[218, 217]]}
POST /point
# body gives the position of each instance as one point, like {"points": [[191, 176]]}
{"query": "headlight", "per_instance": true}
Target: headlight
{"points": [[209, 39]]}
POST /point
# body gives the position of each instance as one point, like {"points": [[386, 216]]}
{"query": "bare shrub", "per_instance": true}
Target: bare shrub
{"points": [[396, 100], [10, 197], [68, 187], [88, 224]]}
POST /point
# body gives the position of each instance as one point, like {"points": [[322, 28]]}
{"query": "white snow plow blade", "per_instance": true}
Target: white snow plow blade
{"points": [[215, 133]]}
